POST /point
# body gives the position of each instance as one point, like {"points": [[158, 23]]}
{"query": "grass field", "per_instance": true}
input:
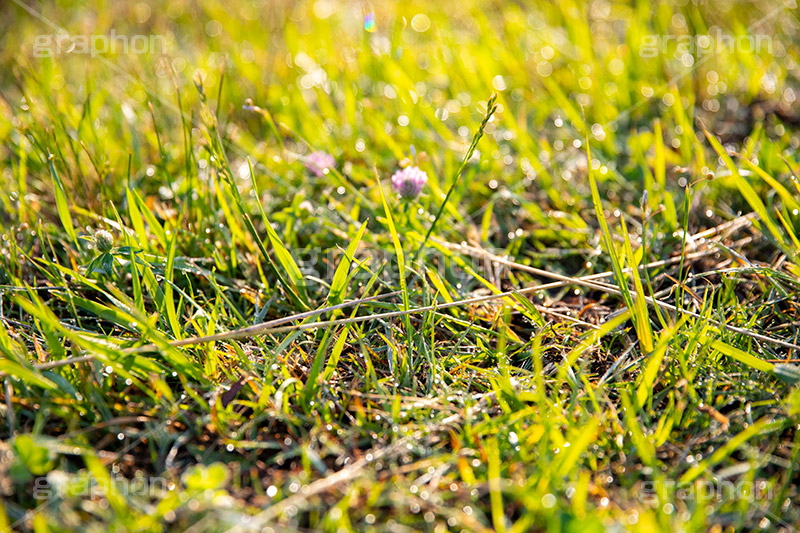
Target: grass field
{"points": [[392, 266]]}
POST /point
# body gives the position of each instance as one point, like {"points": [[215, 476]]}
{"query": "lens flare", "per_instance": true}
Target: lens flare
{"points": [[369, 22]]}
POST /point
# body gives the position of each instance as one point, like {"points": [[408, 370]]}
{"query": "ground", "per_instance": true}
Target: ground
{"points": [[399, 266]]}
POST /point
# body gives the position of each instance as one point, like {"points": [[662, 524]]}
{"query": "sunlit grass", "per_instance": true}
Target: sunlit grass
{"points": [[549, 336]]}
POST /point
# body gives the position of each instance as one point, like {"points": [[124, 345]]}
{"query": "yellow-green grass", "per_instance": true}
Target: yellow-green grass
{"points": [[585, 321]]}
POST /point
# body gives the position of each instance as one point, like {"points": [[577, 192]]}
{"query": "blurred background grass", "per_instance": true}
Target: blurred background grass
{"points": [[366, 96]]}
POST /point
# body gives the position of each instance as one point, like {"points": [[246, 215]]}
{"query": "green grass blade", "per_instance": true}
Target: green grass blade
{"points": [[62, 205], [750, 195], [294, 285], [491, 107], [763, 425], [495, 485], [742, 356], [398, 248], [339, 282], [641, 319], [169, 302], [640, 311]]}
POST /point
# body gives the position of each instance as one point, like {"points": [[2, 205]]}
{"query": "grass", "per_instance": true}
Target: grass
{"points": [[588, 319]]}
